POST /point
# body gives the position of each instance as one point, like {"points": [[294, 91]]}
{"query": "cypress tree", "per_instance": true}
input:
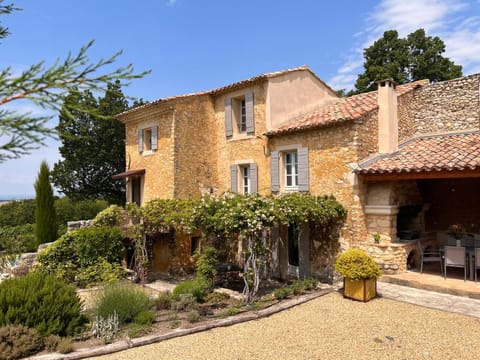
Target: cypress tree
{"points": [[45, 219]]}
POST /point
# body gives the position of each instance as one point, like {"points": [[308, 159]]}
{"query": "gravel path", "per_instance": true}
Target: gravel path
{"points": [[330, 327]]}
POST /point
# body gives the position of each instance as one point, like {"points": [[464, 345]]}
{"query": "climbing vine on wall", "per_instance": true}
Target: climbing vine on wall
{"points": [[230, 216]]}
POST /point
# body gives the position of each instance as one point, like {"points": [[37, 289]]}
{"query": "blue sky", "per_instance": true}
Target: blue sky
{"points": [[193, 45]]}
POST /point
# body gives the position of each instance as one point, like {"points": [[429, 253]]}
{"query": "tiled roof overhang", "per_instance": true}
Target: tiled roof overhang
{"points": [[128, 173], [430, 156]]}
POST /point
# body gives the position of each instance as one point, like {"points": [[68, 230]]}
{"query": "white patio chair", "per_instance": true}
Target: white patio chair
{"points": [[455, 257], [477, 262], [429, 256]]}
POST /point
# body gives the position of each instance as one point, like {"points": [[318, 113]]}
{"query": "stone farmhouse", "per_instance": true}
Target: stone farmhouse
{"points": [[404, 160]]}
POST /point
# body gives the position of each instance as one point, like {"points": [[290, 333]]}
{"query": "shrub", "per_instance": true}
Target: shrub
{"points": [[206, 263], [193, 316], [42, 302], [281, 293], [184, 302], [51, 342], [18, 341], [17, 239], [145, 317], [75, 252], [110, 216], [198, 288], [71, 210], [310, 283], [230, 311], [216, 297], [65, 346], [101, 272], [17, 213], [300, 287], [355, 264], [163, 301], [127, 300]]}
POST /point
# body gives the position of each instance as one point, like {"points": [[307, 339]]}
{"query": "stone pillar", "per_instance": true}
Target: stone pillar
{"points": [[382, 219]]}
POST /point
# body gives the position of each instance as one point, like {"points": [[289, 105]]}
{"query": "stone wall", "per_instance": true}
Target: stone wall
{"points": [[158, 165], [332, 158], [440, 107], [195, 148], [246, 148]]}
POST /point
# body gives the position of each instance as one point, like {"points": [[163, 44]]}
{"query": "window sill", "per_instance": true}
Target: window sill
{"points": [[240, 137], [147, 152]]}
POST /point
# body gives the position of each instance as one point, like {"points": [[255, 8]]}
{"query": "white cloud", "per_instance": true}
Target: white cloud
{"points": [[448, 19], [171, 2]]}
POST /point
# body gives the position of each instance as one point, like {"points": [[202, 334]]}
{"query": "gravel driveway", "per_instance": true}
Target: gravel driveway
{"points": [[330, 327]]}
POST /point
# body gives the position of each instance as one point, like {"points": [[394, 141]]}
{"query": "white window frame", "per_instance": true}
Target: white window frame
{"points": [[290, 169], [278, 168], [244, 174]]}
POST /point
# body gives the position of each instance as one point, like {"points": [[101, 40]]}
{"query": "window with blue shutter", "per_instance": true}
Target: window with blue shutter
{"points": [[253, 173], [303, 178], [250, 123], [234, 178], [140, 140], [154, 138], [228, 117], [275, 171]]}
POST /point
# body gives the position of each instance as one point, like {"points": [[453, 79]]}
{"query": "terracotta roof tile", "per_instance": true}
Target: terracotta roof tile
{"points": [[350, 108], [453, 151], [234, 85]]}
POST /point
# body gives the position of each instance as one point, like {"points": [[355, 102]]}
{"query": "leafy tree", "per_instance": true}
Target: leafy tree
{"points": [[93, 147], [426, 60], [407, 59], [45, 219], [48, 87]]}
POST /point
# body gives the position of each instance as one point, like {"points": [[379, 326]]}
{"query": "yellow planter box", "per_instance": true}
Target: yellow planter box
{"points": [[363, 290]]}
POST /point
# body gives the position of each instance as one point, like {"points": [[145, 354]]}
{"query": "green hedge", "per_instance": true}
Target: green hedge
{"points": [[41, 302], [17, 239], [79, 256]]}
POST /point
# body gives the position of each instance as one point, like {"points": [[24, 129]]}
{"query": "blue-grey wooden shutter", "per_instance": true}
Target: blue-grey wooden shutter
{"points": [[228, 117], [154, 137], [233, 178], [275, 171], [140, 140], [253, 174], [249, 112], [303, 183]]}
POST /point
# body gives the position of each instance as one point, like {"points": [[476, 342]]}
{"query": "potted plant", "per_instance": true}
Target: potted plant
{"points": [[360, 273], [457, 232]]}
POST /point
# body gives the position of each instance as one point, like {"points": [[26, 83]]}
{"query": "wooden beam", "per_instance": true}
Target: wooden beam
{"points": [[456, 174]]}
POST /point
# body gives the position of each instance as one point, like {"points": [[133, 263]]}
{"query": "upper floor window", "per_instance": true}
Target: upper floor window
{"points": [[242, 126], [147, 139], [289, 169], [244, 179], [245, 174], [239, 115]]}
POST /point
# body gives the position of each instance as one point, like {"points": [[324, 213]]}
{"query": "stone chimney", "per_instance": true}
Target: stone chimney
{"points": [[387, 117]]}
